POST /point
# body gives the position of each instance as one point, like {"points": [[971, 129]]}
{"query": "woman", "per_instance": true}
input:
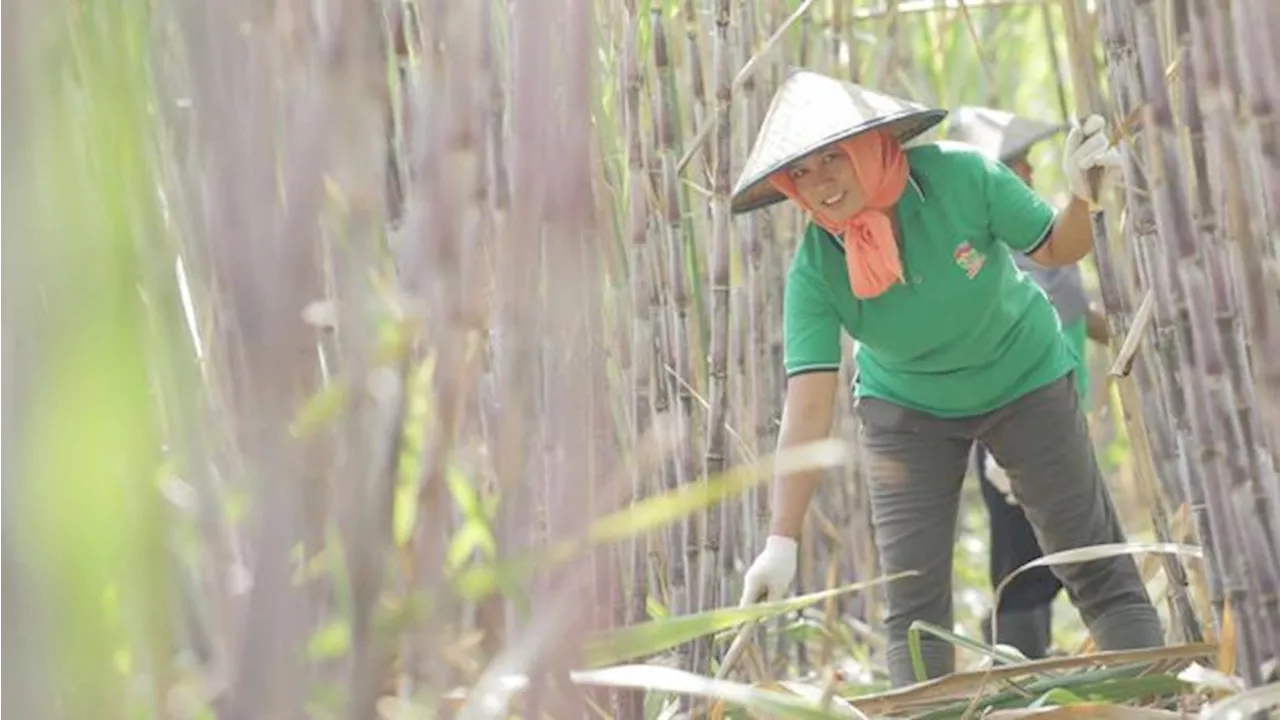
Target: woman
{"points": [[1026, 616], [909, 251]]}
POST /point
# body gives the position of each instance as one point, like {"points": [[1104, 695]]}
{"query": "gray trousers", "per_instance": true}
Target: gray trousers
{"points": [[916, 465]]}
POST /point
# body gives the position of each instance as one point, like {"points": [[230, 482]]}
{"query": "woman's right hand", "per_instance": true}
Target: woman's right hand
{"points": [[771, 574]]}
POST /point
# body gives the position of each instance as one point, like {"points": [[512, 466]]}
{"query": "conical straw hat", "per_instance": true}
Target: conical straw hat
{"points": [[811, 111], [1000, 135]]}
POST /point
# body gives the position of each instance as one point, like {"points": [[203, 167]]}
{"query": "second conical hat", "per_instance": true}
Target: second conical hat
{"points": [[1000, 135], [810, 111]]}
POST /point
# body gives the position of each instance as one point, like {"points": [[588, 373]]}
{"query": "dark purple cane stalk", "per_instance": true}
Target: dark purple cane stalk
{"points": [[262, 259], [521, 453], [1116, 30], [1250, 442], [490, 105], [1253, 98], [1259, 86], [1213, 244], [1237, 265], [1185, 269]]}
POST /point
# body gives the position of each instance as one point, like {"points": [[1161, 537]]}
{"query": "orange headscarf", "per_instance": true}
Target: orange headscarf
{"points": [[871, 252]]}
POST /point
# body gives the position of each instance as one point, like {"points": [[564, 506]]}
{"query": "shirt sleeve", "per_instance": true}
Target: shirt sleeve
{"points": [[1018, 216], [810, 327]]}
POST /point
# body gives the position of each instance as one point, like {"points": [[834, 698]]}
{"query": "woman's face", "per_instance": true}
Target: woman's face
{"points": [[827, 183]]}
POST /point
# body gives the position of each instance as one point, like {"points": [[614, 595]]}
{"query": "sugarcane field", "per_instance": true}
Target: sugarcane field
{"points": [[642, 359]]}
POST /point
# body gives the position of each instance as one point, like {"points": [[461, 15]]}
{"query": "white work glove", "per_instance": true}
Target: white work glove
{"points": [[771, 573], [999, 478], [1087, 147]]}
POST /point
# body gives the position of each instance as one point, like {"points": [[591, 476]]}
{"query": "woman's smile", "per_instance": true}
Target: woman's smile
{"points": [[835, 199]]}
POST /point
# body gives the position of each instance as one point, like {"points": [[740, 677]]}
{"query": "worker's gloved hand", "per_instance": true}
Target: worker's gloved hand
{"points": [[772, 572], [1087, 147], [999, 478]]}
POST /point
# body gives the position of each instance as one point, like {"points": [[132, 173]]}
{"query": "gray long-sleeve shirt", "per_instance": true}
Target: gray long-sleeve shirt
{"points": [[1063, 285]]}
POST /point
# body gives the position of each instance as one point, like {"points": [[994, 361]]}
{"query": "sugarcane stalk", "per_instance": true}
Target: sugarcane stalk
{"points": [[697, 77], [1254, 194], [1165, 374], [1198, 343], [1116, 303], [890, 55], [835, 39], [640, 352], [674, 368], [1126, 85], [806, 30], [1251, 77], [746, 352], [455, 145], [748, 68], [1051, 41], [571, 291], [524, 259], [1228, 321], [515, 528], [584, 231], [853, 72], [751, 250], [715, 456], [592, 436], [1224, 149], [260, 190], [491, 615], [696, 212]]}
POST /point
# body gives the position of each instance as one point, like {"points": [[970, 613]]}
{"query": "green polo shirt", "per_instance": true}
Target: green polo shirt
{"points": [[968, 332]]}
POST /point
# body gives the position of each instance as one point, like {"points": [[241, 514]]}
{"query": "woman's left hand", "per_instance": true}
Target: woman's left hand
{"points": [[1088, 146]]}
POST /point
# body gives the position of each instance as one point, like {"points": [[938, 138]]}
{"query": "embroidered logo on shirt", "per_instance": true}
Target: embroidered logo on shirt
{"points": [[969, 259]]}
